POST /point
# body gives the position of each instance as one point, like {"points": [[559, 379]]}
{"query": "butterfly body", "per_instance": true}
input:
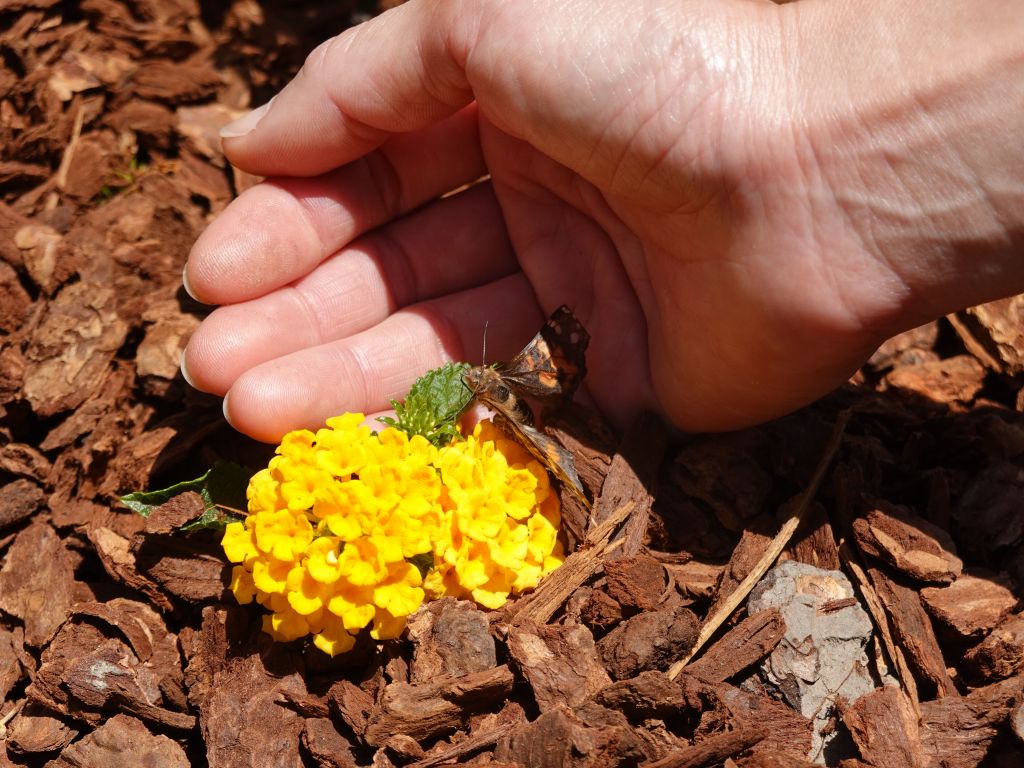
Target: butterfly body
{"points": [[548, 369]]}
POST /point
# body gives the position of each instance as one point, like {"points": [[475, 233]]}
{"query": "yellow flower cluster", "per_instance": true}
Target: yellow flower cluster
{"points": [[338, 516]]}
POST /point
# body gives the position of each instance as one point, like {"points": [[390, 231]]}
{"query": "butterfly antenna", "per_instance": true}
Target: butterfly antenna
{"points": [[483, 362]]}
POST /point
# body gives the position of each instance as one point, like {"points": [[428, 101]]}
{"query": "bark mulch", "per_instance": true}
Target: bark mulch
{"points": [[841, 585]]}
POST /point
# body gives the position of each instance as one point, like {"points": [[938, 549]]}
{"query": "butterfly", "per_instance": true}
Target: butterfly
{"points": [[548, 369]]}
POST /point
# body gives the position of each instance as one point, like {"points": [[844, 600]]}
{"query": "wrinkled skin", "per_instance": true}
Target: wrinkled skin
{"points": [[739, 200]]}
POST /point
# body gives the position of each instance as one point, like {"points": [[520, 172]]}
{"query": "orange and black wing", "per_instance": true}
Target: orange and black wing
{"points": [[552, 365], [551, 454]]}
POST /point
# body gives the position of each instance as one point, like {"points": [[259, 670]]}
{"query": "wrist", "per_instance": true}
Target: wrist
{"points": [[913, 116]]}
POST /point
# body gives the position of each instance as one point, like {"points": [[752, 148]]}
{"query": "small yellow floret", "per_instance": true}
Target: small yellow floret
{"points": [[239, 543], [242, 585]]}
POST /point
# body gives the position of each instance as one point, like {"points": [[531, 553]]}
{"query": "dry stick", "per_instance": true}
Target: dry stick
{"points": [[69, 152], [574, 572], [775, 547], [10, 716]]}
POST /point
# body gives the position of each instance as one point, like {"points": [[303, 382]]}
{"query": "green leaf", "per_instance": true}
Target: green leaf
{"points": [[222, 489], [433, 405]]}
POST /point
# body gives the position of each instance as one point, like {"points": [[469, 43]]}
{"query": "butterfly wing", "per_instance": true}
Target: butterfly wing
{"points": [[551, 454], [552, 365], [549, 368]]}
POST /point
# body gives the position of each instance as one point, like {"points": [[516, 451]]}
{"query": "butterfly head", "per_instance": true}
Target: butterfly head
{"points": [[484, 380]]}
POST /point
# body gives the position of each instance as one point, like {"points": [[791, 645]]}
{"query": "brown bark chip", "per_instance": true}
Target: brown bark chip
{"points": [[242, 721], [176, 512], [149, 638], [696, 579], [561, 739], [19, 500], [88, 670], [743, 645], [714, 749], [325, 746], [723, 471], [36, 582], [119, 562], [12, 649], [591, 441], [200, 126], [39, 251], [955, 379], [146, 118], [956, 732], [15, 303], [168, 330], [1017, 721], [351, 704], [648, 695], [37, 730], [988, 512], [885, 729], [814, 542], [434, 709], [10, 222], [600, 612], [96, 159], [913, 631], [716, 706], [71, 349], [451, 638], [166, 80], [1001, 654], [119, 742], [998, 327], [756, 539], [637, 582], [632, 477], [973, 604], [907, 348], [190, 568], [908, 543], [560, 662], [24, 461], [651, 640]]}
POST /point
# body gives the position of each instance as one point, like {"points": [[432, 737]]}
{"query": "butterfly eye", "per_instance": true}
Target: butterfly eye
{"points": [[501, 392]]}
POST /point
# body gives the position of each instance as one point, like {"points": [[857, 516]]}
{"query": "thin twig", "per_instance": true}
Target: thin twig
{"points": [[577, 569], [69, 150], [10, 716]]}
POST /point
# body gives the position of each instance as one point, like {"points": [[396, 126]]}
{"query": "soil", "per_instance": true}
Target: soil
{"points": [[120, 645]]}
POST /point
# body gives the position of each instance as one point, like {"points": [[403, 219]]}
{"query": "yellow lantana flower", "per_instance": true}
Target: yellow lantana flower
{"points": [[339, 517]]}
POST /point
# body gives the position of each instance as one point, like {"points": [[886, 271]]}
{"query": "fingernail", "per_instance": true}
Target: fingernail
{"points": [[184, 370], [245, 123], [185, 285], [224, 407]]}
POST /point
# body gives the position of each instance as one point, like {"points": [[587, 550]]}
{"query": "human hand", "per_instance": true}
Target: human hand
{"points": [[679, 173]]}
